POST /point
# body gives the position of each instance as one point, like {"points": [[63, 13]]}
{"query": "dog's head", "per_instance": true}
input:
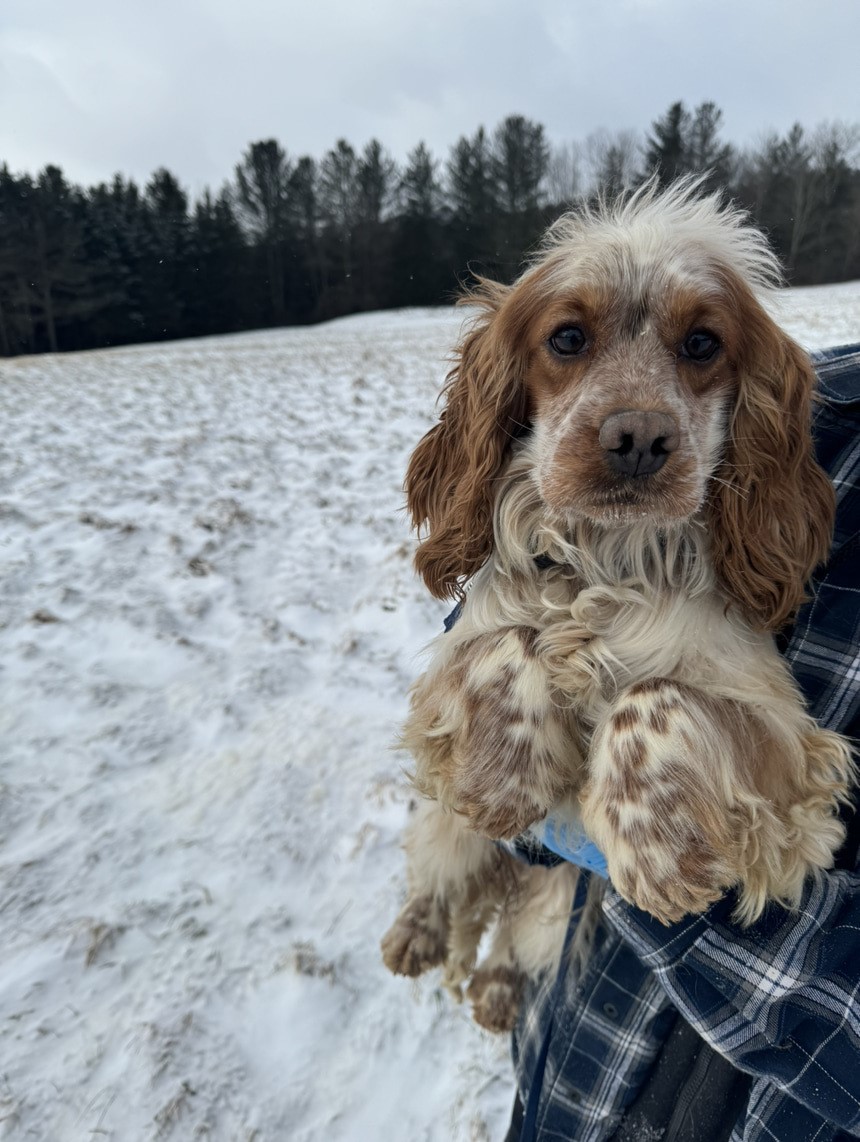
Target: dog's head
{"points": [[652, 385]]}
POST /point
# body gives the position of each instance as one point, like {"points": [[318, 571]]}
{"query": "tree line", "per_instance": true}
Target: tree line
{"points": [[295, 240]]}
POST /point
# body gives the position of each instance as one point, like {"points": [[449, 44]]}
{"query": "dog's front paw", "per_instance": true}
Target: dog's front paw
{"points": [[666, 888], [418, 938], [496, 994], [667, 827], [514, 750], [659, 856]]}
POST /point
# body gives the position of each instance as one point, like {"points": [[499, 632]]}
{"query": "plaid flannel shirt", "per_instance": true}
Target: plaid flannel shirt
{"points": [[780, 998]]}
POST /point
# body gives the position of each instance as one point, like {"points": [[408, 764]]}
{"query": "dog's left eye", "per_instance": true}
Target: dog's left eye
{"points": [[569, 341], [700, 345]]}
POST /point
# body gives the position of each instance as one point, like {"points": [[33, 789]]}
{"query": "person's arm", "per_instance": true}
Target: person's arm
{"points": [[779, 998]]}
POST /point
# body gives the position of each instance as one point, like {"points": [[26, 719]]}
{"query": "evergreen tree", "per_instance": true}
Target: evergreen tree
{"points": [[667, 147], [422, 268], [167, 280], [835, 225], [377, 183], [340, 204], [474, 206], [18, 292], [308, 259], [519, 162], [376, 175], [262, 196], [220, 299], [705, 152], [47, 283], [682, 143], [116, 239], [60, 272]]}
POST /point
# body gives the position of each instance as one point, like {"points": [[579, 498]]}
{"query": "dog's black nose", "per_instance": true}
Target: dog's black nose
{"points": [[637, 443]]}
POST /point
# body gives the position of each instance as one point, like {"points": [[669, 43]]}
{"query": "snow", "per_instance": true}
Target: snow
{"points": [[208, 627]]}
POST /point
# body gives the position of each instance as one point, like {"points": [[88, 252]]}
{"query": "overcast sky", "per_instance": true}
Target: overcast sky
{"points": [[98, 86]]}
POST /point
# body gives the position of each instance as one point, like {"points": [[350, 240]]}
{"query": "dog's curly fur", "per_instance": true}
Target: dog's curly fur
{"points": [[615, 656]]}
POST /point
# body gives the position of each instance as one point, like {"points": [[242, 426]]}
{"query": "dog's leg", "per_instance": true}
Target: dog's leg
{"points": [[418, 938], [690, 794], [528, 941], [470, 918], [491, 737], [658, 799], [445, 863]]}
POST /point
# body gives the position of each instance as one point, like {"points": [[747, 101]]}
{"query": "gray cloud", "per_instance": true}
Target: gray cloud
{"points": [[100, 86]]}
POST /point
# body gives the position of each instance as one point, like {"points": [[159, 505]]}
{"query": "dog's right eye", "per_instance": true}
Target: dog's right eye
{"points": [[569, 341]]}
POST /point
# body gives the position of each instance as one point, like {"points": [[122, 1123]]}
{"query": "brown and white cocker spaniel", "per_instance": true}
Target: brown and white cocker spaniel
{"points": [[623, 475]]}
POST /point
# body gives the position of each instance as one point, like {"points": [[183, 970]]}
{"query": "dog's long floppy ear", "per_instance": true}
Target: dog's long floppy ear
{"points": [[450, 481], [773, 516]]}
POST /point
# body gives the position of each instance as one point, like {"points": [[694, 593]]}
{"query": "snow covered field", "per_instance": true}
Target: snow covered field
{"points": [[208, 624]]}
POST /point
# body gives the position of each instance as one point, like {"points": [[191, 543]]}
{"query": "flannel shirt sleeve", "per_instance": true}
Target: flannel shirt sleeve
{"points": [[779, 998]]}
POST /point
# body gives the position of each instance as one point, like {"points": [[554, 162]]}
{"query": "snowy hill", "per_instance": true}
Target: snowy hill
{"points": [[208, 625]]}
